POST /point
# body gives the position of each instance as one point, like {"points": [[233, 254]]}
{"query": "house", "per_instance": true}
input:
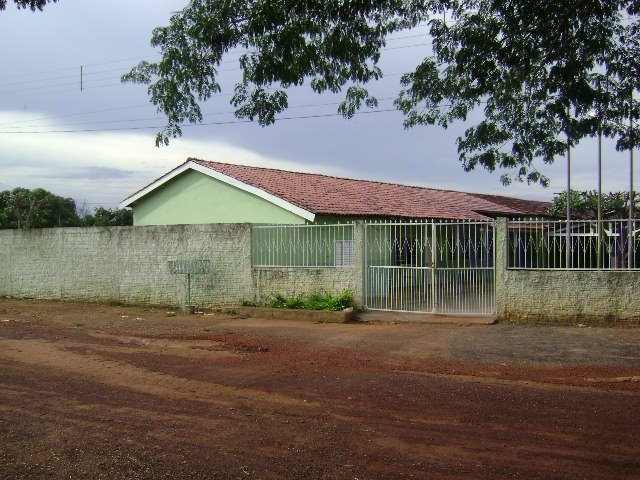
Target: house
{"points": [[199, 192], [403, 247]]}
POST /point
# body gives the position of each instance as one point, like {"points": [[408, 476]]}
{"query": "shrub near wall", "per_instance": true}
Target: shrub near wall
{"points": [[292, 281]]}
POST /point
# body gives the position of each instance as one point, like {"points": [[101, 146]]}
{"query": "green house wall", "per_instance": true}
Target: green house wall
{"points": [[194, 198]]}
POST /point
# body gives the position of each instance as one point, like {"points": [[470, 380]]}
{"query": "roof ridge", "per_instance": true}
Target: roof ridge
{"points": [[508, 197], [379, 182]]}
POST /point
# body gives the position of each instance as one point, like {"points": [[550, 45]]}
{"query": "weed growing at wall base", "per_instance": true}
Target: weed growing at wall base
{"points": [[314, 301]]}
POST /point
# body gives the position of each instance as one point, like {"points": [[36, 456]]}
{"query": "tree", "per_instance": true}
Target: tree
{"points": [[22, 208], [37, 208], [584, 204], [32, 4], [106, 217], [536, 69]]}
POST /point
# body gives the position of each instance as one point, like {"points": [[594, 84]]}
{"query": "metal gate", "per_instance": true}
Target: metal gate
{"points": [[435, 267]]}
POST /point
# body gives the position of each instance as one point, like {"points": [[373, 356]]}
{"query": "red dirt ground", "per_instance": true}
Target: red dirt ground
{"points": [[90, 391]]}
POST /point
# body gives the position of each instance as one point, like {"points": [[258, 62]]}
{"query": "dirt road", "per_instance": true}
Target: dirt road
{"points": [[121, 393]]}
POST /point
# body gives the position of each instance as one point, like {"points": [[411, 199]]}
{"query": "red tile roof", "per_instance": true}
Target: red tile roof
{"points": [[526, 207], [327, 195]]}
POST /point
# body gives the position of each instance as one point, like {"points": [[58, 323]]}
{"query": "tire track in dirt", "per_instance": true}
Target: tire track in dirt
{"points": [[603, 384], [124, 375]]}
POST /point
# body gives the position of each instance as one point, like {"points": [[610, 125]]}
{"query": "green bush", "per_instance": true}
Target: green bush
{"points": [[315, 301], [277, 300], [296, 302]]}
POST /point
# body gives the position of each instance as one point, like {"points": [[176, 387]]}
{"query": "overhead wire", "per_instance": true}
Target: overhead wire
{"points": [[95, 83], [126, 69], [207, 114], [228, 122]]}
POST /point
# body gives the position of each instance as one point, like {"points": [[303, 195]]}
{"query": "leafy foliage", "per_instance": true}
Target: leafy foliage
{"points": [[315, 301], [584, 204], [38, 208], [32, 4], [326, 301], [107, 217], [277, 300], [535, 69]]}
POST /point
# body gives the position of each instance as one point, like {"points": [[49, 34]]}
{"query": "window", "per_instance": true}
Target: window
{"points": [[343, 253]]}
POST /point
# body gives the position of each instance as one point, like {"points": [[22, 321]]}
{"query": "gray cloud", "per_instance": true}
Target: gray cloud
{"points": [[99, 173]]}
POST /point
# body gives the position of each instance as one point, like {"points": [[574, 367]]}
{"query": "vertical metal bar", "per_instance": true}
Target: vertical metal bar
{"points": [[493, 270], [432, 288], [568, 226], [423, 268], [516, 262], [388, 287], [394, 289], [446, 276], [364, 248], [599, 225], [630, 242]]}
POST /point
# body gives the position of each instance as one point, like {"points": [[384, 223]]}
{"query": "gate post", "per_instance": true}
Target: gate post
{"points": [[359, 264], [501, 264]]}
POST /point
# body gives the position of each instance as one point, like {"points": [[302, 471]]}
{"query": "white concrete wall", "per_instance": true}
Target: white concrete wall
{"points": [[129, 265], [564, 296]]}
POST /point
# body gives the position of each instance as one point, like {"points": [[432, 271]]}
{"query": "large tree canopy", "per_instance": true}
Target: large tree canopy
{"points": [[107, 217], [38, 208], [536, 69], [584, 204]]}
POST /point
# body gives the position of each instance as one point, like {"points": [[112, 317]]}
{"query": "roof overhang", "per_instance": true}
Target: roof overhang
{"points": [[190, 165]]}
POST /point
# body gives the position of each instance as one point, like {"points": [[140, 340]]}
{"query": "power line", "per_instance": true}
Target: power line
{"points": [[96, 82], [64, 77], [78, 114], [12, 124], [77, 67], [208, 114], [229, 122], [40, 87], [111, 62], [104, 110]]}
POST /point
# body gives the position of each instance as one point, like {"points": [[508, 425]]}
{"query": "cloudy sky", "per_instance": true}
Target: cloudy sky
{"points": [[97, 145]]}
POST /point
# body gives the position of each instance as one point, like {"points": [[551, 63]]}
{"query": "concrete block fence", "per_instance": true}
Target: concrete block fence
{"points": [[607, 297], [130, 265]]}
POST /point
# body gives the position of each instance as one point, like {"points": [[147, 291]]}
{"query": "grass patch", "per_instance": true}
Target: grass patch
{"points": [[315, 301]]}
